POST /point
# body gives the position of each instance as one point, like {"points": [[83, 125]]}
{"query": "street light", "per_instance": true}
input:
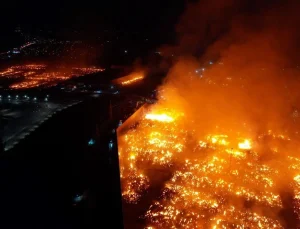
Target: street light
{"points": [[110, 145], [91, 142]]}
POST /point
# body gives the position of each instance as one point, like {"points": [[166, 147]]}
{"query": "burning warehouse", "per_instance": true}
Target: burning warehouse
{"points": [[228, 142], [210, 165]]}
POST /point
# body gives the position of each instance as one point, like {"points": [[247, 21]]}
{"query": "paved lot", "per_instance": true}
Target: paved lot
{"points": [[20, 117]]}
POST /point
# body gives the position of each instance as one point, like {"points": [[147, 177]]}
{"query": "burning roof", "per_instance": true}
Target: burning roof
{"points": [[231, 154]]}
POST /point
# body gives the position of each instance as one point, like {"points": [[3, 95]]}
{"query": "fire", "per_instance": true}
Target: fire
{"points": [[246, 144], [159, 117], [212, 177], [210, 156], [130, 79], [133, 80], [34, 75]]}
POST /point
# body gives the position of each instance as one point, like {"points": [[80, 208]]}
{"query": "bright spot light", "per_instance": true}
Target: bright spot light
{"points": [[246, 144], [159, 117]]}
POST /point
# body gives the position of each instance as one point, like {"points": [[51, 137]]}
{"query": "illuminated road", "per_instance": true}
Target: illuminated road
{"points": [[21, 117]]}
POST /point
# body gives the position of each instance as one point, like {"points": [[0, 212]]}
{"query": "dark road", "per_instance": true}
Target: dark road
{"points": [[41, 175], [22, 116]]}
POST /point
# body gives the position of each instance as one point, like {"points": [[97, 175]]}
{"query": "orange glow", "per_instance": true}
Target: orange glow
{"points": [[130, 79], [246, 144], [159, 117], [35, 75], [214, 172], [133, 80]]}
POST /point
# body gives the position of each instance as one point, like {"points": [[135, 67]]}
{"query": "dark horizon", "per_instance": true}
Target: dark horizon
{"points": [[90, 21]]}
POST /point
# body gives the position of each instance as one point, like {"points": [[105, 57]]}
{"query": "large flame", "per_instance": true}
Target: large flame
{"points": [[230, 157], [228, 176], [159, 117]]}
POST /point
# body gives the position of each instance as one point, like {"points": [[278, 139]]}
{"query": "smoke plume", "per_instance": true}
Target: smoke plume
{"points": [[226, 124]]}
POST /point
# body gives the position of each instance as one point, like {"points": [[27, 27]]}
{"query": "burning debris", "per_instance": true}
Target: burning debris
{"points": [[228, 170], [130, 79], [34, 75]]}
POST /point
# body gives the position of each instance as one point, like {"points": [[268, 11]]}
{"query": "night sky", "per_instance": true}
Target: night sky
{"points": [[90, 18], [190, 26]]}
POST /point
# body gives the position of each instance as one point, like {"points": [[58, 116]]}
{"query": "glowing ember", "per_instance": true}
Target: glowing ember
{"points": [[211, 156], [34, 75], [211, 184], [130, 79], [133, 80]]}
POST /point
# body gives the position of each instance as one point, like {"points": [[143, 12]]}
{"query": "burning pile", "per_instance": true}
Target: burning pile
{"points": [[230, 176], [225, 129], [130, 79]]}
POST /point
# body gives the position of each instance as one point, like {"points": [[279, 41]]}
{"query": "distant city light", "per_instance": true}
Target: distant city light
{"points": [[125, 51], [110, 145], [46, 99], [78, 198], [210, 62]]}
